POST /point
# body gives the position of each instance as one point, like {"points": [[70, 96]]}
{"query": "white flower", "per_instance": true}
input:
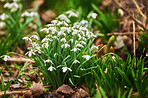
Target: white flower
{"points": [[75, 61], [75, 32], [65, 23], [31, 52], [65, 45], [45, 29], [93, 15], [6, 57], [35, 36], [55, 54], [83, 42], [48, 25], [46, 45], [87, 57], [65, 69], [2, 24], [25, 14], [71, 13], [83, 22], [54, 21], [63, 40], [33, 14], [6, 5], [79, 45], [64, 17], [94, 47], [48, 60], [27, 38], [51, 68], [75, 49], [4, 16], [71, 40]]}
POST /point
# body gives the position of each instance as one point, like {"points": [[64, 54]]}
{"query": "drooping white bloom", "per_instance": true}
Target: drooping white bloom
{"points": [[83, 22], [71, 40], [75, 32], [54, 21], [65, 45], [48, 60], [48, 25], [83, 42], [75, 49], [94, 47], [2, 24], [12, 6], [27, 38], [87, 57], [25, 14], [92, 15], [3, 16], [55, 54], [46, 45], [35, 37], [45, 29], [64, 17], [75, 61], [79, 45], [32, 14], [6, 57], [71, 13], [51, 68], [31, 52], [63, 40], [64, 69]]}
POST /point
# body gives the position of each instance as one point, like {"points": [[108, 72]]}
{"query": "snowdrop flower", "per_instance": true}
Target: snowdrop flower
{"points": [[113, 57], [71, 13], [75, 61], [92, 15], [51, 68], [65, 45], [33, 14], [48, 25], [12, 6], [27, 38], [64, 17], [31, 52], [83, 42], [46, 45], [55, 54], [63, 40], [3, 16], [75, 49], [6, 57], [48, 60], [79, 45], [35, 37], [94, 47], [2, 24], [25, 14], [45, 29], [79, 36], [54, 21], [59, 23], [75, 32], [83, 22], [71, 40], [45, 40], [65, 23], [64, 69], [87, 57]]}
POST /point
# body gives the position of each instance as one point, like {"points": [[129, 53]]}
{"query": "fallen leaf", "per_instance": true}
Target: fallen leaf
{"points": [[83, 93], [65, 89], [48, 15], [37, 89]]}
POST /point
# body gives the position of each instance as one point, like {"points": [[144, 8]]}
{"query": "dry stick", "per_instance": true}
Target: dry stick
{"points": [[138, 8], [137, 21], [125, 33], [13, 92], [134, 42]]}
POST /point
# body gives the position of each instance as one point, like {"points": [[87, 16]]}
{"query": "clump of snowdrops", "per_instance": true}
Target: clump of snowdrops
{"points": [[65, 54]]}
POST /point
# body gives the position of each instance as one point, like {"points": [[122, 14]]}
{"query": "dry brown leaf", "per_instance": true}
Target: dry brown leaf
{"points": [[37, 89], [83, 93], [48, 15], [65, 89], [37, 2]]}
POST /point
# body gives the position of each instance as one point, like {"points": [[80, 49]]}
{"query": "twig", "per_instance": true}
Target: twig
{"points": [[13, 92], [15, 59], [126, 11], [139, 10], [125, 33]]}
